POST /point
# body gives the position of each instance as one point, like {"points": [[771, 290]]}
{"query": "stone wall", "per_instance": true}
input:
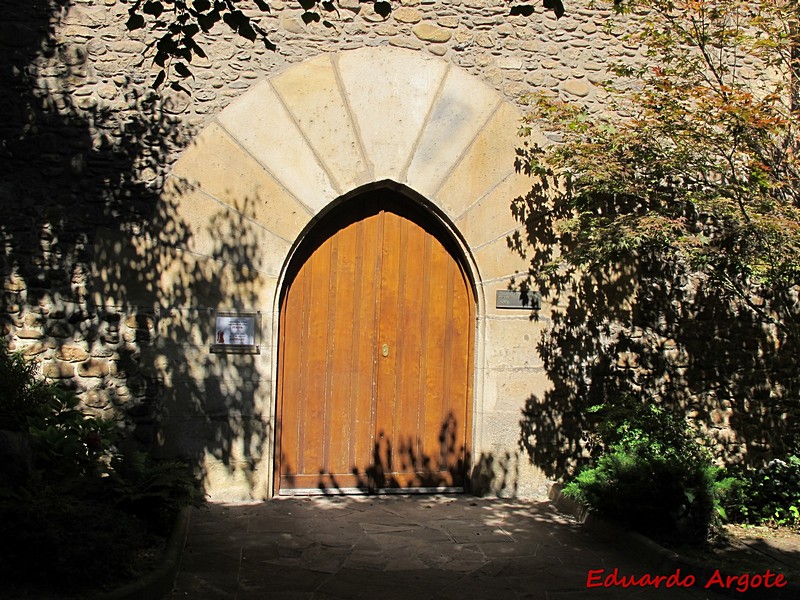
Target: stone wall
{"points": [[111, 281]]}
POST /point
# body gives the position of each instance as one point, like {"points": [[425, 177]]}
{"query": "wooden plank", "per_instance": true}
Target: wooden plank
{"points": [[434, 383], [470, 326], [315, 363], [366, 359], [387, 338], [295, 309], [341, 347], [409, 349], [286, 412], [448, 437], [424, 351]]}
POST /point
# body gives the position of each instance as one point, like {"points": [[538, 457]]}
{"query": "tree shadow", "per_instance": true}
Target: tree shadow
{"points": [[406, 466], [648, 328], [106, 284]]}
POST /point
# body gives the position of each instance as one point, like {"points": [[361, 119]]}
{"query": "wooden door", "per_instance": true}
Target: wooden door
{"points": [[375, 357]]}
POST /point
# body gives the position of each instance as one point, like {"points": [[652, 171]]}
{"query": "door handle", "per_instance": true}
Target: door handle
{"points": [[385, 350]]}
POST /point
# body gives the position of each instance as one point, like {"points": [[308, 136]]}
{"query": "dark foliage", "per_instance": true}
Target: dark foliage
{"points": [[651, 473], [57, 540], [768, 495], [176, 26], [87, 511], [21, 394]]}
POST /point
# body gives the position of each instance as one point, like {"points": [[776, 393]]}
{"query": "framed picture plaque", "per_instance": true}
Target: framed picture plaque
{"points": [[236, 332]]}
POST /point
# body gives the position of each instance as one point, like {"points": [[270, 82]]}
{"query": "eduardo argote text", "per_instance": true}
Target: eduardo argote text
{"points": [[597, 578]]}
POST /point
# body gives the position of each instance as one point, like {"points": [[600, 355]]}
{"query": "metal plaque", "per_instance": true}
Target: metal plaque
{"points": [[236, 332], [518, 299]]}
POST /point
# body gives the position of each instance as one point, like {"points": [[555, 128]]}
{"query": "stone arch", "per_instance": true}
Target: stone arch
{"points": [[315, 133]]}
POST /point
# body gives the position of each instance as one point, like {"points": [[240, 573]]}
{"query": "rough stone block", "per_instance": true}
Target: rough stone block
{"points": [[428, 32], [577, 87], [71, 353], [29, 334], [93, 368], [58, 370], [407, 15], [59, 329], [34, 349]]}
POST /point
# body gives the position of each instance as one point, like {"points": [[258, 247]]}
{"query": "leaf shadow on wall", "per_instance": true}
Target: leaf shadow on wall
{"points": [[106, 284], [648, 328]]}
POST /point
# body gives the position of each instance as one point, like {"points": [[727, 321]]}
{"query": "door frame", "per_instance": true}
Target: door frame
{"points": [[461, 254]]}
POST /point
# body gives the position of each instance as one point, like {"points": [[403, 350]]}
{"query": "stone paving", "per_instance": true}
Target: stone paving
{"points": [[401, 547]]}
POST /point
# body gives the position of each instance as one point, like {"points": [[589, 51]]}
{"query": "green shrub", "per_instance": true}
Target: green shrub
{"points": [[154, 491], [66, 543], [21, 393], [769, 495], [65, 440], [68, 442], [652, 474], [87, 511]]}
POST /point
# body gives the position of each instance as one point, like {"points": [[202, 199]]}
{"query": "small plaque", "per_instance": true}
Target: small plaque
{"points": [[236, 332], [518, 299]]}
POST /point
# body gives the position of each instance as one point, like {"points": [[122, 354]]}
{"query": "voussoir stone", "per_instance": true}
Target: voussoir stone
{"points": [[428, 32]]}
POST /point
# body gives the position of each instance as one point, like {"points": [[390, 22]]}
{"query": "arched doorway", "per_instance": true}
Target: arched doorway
{"points": [[375, 364]]}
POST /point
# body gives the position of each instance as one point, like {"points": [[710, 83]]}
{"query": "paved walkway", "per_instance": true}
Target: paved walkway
{"points": [[394, 547]]}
